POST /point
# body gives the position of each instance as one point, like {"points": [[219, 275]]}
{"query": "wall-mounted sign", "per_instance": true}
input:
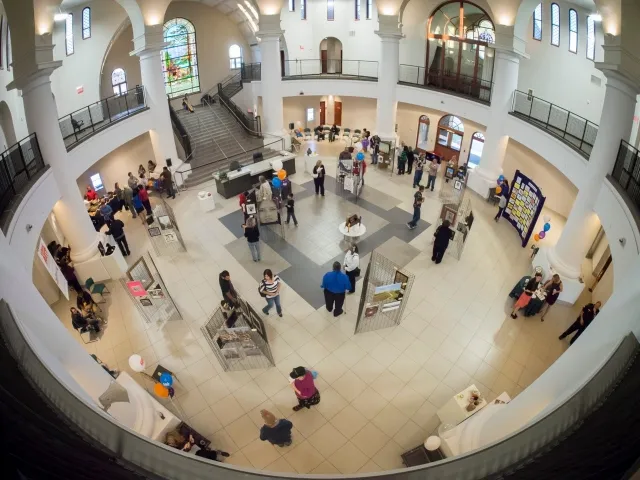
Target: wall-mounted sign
{"points": [[136, 288], [96, 181], [79, 89]]}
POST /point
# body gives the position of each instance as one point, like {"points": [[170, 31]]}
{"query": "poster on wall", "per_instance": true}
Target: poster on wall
{"points": [[136, 289], [524, 206], [52, 267]]}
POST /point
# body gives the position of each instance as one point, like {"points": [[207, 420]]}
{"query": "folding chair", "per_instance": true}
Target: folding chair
{"points": [[97, 288]]}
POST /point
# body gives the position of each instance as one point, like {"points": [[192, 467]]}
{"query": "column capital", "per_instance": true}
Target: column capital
{"points": [[620, 64], [506, 41], [40, 72], [269, 27], [389, 28], [151, 42]]}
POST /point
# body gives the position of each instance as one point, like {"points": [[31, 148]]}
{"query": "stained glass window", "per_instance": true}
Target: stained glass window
{"points": [[303, 9], [235, 57], [555, 24], [369, 9], [330, 9], [573, 31], [591, 38], [537, 22], [119, 81], [1, 25], [68, 34], [179, 58], [86, 23]]}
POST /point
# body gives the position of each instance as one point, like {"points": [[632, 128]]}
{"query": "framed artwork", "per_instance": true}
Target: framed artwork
{"points": [[156, 293], [165, 222], [449, 213], [154, 232], [251, 208], [170, 237], [371, 311], [145, 302], [457, 185], [401, 278]]}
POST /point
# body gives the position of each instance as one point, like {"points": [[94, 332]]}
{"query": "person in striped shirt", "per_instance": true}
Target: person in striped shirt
{"points": [[270, 289]]}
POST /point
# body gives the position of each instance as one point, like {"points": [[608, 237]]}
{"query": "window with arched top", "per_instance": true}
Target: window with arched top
{"points": [[119, 81], [537, 22], [591, 38], [450, 132], [573, 31], [475, 150], [423, 133], [235, 57], [86, 23], [555, 24], [68, 34], [179, 58]]}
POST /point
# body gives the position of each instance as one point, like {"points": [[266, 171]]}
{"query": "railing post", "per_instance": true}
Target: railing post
{"points": [[126, 103], [106, 102], [531, 105], [24, 165], [93, 127], [6, 169], [584, 132], [549, 116], [566, 125]]}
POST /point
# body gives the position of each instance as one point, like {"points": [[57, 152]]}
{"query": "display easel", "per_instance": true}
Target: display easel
{"points": [[163, 232], [456, 208], [385, 292], [349, 181]]}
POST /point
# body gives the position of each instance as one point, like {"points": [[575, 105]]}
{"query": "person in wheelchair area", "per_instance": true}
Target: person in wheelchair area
{"points": [[84, 323]]}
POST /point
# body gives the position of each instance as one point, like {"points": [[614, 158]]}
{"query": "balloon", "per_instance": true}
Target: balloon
{"points": [[358, 146], [276, 182], [276, 165], [546, 219], [498, 182], [360, 156], [498, 190], [501, 177], [547, 227], [172, 392], [282, 174], [136, 362], [536, 237], [542, 234], [166, 379], [160, 390]]}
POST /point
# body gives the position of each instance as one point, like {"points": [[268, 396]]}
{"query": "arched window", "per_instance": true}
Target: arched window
{"points": [[555, 24], [8, 47], [537, 22], [357, 5], [235, 57], [423, 133], [1, 38], [179, 59], [450, 132], [86, 23], [475, 150], [330, 10], [119, 81], [68, 34], [573, 31], [591, 38]]}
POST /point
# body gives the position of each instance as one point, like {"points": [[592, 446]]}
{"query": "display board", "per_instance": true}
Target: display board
{"points": [[460, 229], [164, 233], [385, 291], [524, 206], [349, 180]]}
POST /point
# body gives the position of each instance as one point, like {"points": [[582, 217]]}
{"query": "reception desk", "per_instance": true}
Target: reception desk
{"points": [[239, 181]]}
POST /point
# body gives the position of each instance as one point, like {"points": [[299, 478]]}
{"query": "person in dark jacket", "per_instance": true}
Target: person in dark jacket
{"points": [[69, 274], [587, 315], [252, 234], [167, 182], [79, 321], [116, 229], [410, 159], [335, 284], [274, 431], [229, 293], [441, 242]]}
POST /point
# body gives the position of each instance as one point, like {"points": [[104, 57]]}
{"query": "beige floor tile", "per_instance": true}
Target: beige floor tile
{"points": [[308, 421], [369, 403], [424, 383], [271, 381], [410, 435], [400, 338], [280, 465], [457, 379], [451, 350], [419, 352], [331, 338], [385, 354], [349, 386], [239, 459], [389, 457], [242, 431], [512, 370], [349, 421], [390, 420], [426, 417], [370, 467], [479, 346], [526, 378], [201, 371], [313, 352], [441, 395], [370, 439], [503, 384], [250, 396], [223, 441], [327, 440], [414, 324], [368, 369], [348, 459], [192, 403], [304, 458], [496, 358], [296, 336], [349, 353], [325, 468], [228, 410], [330, 368], [213, 390], [367, 341], [408, 401], [331, 403], [260, 453], [404, 367], [234, 380], [387, 385], [469, 362], [438, 366], [205, 422], [486, 374]]}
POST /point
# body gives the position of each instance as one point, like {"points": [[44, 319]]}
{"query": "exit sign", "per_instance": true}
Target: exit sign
{"points": [[79, 89]]}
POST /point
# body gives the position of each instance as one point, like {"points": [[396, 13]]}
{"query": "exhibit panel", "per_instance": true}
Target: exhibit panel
{"points": [[163, 230], [524, 205]]}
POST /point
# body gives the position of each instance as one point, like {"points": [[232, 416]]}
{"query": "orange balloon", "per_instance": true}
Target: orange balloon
{"points": [[498, 190], [282, 174], [536, 237], [160, 390]]}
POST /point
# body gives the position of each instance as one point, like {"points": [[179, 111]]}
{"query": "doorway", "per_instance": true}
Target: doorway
{"points": [[323, 113], [337, 113], [449, 139], [330, 55], [475, 150], [282, 63], [422, 137]]}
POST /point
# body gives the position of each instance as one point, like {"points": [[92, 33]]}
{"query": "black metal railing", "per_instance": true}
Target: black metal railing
{"points": [[626, 172], [83, 123], [19, 164], [250, 122], [251, 72], [574, 130], [180, 132], [351, 69], [464, 85]]}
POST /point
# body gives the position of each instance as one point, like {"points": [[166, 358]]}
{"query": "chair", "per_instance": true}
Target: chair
{"points": [[97, 288], [77, 125], [307, 134], [357, 133], [493, 198], [346, 132], [86, 332]]}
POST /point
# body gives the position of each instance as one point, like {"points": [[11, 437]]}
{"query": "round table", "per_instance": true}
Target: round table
{"points": [[354, 233]]}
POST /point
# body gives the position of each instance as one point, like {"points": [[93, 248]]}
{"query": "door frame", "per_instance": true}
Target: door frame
{"points": [[335, 112], [323, 113]]}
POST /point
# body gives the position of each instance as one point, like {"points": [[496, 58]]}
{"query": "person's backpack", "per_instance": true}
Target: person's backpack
{"points": [[262, 286]]}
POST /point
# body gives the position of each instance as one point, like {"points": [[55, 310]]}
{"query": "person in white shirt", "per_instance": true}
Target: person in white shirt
{"points": [[265, 190], [270, 289], [352, 266]]}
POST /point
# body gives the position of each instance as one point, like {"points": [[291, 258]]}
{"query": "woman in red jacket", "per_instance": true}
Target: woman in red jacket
{"points": [[304, 388], [144, 198]]}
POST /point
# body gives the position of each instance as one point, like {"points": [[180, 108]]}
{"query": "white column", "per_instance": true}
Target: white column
{"points": [[615, 125], [390, 34], [505, 82], [272, 111]]}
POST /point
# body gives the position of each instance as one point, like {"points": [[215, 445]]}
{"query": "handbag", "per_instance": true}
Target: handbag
{"points": [[261, 289], [356, 271]]}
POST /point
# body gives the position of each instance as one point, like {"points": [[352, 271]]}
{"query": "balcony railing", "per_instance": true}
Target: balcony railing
{"points": [[463, 85], [576, 131], [180, 132], [251, 72], [626, 172], [347, 69], [251, 123], [20, 165], [83, 123]]}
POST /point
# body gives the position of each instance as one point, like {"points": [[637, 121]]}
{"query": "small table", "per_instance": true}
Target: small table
{"points": [[206, 201], [354, 233], [455, 411]]}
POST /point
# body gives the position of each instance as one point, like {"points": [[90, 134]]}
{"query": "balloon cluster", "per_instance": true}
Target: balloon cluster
{"points": [[545, 228], [281, 175], [164, 389], [499, 182], [360, 156]]}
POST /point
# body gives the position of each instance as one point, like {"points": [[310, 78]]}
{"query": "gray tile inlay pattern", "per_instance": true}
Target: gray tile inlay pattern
{"points": [[304, 275]]}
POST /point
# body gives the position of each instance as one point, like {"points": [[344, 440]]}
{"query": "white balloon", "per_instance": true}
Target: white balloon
{"points": [[546, 219], [277, 165], [358, 146], [136, 362], [432, 443]]}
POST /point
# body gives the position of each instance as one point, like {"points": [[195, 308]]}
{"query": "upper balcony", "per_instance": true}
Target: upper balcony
{"points": [[330, 69], [626, 176], [466, 86], [82, 124]]}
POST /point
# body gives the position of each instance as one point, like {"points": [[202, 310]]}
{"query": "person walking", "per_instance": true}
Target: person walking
{"points": [[418, 200], [116, 230], [441, 241], [352, 266], [525, 297], [167, 182], [127, 196], [291, 214], [270, 289], [138, 207], [304, 387], [264, 192], [335, 284], [433, 173], [502, 204], [375, 150], [229, 293], [252, 234], [554, 288], [417, 176], [410, 159], [585, 318], [318, 177], [143, 195], [132, 182], [275, 431], [402, 160]]}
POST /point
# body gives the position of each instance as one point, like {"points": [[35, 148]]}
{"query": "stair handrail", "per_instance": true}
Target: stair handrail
{"points": [[179, 129]]}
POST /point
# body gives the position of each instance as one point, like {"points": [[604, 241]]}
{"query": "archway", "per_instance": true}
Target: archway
{"points": [[422, 137], [449, 139], [6, 125], [475, 150], [331, 55]]}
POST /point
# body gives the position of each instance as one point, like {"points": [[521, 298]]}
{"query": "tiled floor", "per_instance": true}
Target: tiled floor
{"points": [[380, 390]]}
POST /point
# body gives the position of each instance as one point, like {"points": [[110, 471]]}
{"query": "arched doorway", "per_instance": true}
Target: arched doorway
{"points": [[475, 150], [331, 55], [6, 125], [459, 56], [422, 136], [449, 140]]}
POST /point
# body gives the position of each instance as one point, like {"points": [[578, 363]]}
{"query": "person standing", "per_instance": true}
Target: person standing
{"points": [[69, 274], [402, 160], [433, 173], [144, 198], [229, 293], [554, 289], [365, 144], [167, 182], [318, 176], [252, 234], [332, 133], [119, 194], [441, 241], [335, 284], [91, 194], [418, 200], [586, 316], [417, 176], [375, 150], [502, 204], [116, 230], [264, 193], [106, 211], [304, 387], [352, 266], [524, 299], [270, 288], [132, 182], [138, 206], [127, 196], [291, 214], [410, 159], [277, 432]]}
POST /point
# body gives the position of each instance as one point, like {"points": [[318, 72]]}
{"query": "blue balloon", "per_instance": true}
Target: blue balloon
{"points": [[501, 177], [360, 156], [276, 182], [547, 227], [166, 379]]}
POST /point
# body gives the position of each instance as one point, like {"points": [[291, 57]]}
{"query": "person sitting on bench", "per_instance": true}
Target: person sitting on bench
{"points": [[82, 323]]}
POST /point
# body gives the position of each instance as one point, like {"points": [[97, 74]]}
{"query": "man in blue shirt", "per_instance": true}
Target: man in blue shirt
{"points": [[335, 284]]}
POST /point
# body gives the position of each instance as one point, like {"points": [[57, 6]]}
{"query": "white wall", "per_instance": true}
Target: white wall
{"points": [[356, 112], [118, 57]]}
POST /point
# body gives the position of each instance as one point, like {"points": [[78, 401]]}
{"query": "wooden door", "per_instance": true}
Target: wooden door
{"points": [[323, 60], [340, 66], [337, 113], [323, 110], [282, 63]]}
